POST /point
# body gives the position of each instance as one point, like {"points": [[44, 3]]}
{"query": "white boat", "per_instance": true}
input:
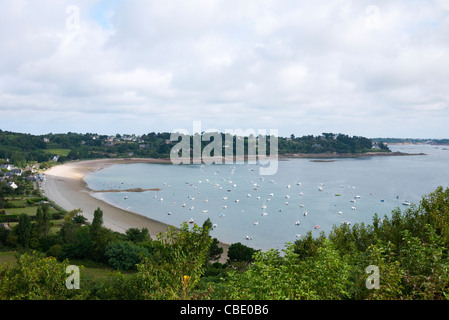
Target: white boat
{"points": [[264, 206], [353, 208], [256, 223], [297, 223], [305, 213], [406, 203], [248, 238], [237, 201], [191, 220], [125, 197], [320, 188], [301, 205]]}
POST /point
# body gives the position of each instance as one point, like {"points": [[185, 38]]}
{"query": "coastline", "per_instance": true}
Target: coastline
{"points": [[64, 184]]}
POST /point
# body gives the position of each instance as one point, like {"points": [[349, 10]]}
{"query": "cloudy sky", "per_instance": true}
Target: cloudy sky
{"points": [[372, 68]]}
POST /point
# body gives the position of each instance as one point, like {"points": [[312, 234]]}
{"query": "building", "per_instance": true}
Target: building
{"points": [[12, 185]]}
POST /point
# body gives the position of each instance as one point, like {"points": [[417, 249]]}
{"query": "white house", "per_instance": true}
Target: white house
{"points": [[12, 185]]}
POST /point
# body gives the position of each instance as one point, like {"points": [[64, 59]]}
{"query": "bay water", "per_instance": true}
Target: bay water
{"points": [[266, 212]]}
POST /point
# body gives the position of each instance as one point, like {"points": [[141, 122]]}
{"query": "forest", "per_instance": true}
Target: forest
{"points": [[21, 149]]}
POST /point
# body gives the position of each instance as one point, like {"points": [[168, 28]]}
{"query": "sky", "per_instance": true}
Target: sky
{"points": [[367, 68]]}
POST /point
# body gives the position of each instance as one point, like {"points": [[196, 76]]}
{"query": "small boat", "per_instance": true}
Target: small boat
{"points": [[338, 194], [125, 197], [301, 205], [237, 201], [205, 211], [340, 212], [224, 207], [353, 208], [320, 188], [248, 238], [169, 213], [191, 208], [256, 223], [297, 223], [264, 206], [191, 221], [183, 204], [316, 227], [305, 213], [382, 200], [406, 203]]}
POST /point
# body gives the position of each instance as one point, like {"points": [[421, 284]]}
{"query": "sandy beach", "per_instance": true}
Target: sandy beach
{"points": [[64, 184]]}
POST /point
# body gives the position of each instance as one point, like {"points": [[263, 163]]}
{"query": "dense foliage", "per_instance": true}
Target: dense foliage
{"points": [[21, 148], [409, 248]]}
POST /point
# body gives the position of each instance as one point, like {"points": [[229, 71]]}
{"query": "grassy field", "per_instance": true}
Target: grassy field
{"points": [[8, 257], [58, 152]]}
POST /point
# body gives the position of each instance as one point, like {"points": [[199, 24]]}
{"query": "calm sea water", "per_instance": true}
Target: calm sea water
{"points": [[268, 209]]}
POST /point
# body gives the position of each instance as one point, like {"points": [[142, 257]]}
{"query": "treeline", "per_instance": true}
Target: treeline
{"points": [[407, 251], [413, 141], [328, 143], [22, 149]]}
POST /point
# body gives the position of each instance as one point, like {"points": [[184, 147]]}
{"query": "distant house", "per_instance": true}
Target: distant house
{"points": [[16, 171], [6, 166], [31, 178], [55, 158], [12, 185]]}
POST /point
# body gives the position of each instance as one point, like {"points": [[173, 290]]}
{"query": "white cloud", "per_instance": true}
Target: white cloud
{"points": [[303, 67]]}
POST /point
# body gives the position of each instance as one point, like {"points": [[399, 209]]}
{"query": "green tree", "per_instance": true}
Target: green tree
{"points": [[239, 252], [125, 255], [36, 277], [23, 230], [43, 219], [174, 269], [135, 235]]}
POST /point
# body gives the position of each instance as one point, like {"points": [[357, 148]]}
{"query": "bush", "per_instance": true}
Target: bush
{"points": [[125, 255]]}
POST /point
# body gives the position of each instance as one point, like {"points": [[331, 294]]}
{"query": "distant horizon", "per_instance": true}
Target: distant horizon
{"points": [[158, 132]]}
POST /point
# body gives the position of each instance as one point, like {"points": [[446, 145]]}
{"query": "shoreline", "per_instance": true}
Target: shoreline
{"points": [[64, 184]]}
